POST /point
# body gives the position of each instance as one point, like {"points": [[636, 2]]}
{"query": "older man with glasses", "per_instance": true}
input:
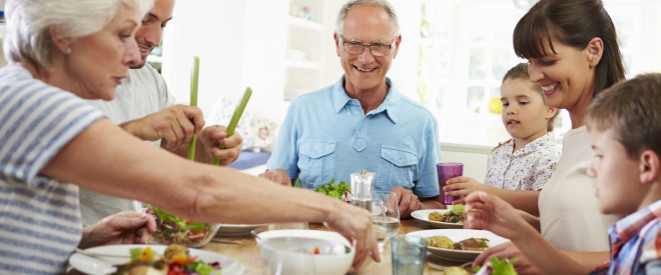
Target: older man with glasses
{"points": [[362, 122]]}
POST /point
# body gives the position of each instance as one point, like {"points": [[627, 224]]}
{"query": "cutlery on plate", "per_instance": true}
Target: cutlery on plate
{"points": [[97, 254]]}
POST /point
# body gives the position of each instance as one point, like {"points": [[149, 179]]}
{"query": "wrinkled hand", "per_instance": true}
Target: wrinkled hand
{"points": [[462, 187], [215, 135], [278, 176], [127, 227], [492, 213], [408, 202], [173, 125], [509, 251], [355, 224]]}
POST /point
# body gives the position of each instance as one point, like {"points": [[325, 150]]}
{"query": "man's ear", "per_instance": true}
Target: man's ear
{"points": [[649, 166], [398, 40], [63, 44], [595, 50], [336, 37]]}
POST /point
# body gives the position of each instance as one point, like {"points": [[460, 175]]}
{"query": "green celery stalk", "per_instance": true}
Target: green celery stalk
{"points": [[235, 119], [195, 74]]}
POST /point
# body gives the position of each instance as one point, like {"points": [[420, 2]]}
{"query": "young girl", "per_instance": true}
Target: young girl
{"points": [[518, 168]]}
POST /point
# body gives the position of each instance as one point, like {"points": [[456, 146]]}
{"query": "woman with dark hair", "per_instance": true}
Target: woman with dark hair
{"points": [[573, 53]]}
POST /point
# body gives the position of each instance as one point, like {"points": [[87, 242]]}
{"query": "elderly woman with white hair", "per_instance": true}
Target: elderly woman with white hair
{"points": [[61, 51]]}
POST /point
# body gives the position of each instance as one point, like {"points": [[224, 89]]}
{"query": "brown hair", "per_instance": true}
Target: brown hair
{"points": [[573, 23], [632, 111], [520, 71]]}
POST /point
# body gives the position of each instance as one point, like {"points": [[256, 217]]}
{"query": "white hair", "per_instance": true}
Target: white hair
{"points": [[384, 4], [28, 24]]}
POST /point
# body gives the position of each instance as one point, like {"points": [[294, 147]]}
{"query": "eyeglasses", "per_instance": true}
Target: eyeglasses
{"points": [[358, 48]]}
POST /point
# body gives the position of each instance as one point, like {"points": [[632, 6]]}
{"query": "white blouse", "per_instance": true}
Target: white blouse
{"points": [[569, 216], [528, 168]]}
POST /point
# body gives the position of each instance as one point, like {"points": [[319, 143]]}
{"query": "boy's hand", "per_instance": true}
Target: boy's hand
{"points": [[507, 251], [494, 214]]}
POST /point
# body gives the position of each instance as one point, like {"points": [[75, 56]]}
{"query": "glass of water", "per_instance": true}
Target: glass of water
{"points": [[408, 254], [385, 214]]}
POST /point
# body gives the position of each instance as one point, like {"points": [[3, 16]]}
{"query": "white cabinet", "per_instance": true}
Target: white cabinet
{"points": [[307, 43]]}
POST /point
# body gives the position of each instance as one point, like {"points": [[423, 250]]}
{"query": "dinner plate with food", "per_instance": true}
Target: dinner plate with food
{"points": [[459, 245], [152, 259], [442, 218]]}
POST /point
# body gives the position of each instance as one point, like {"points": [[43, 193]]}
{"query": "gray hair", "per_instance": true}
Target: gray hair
{"points": [[28, 24], [384, 4]]}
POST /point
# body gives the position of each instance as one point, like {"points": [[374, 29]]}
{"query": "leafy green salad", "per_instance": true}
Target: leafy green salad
{"points": [[339, 191]]}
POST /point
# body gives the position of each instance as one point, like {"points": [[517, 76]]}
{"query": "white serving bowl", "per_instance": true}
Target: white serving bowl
{"points": [[287, 252]]}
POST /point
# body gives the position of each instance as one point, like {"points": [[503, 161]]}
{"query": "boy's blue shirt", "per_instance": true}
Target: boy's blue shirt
{"points": [[636, 242]]}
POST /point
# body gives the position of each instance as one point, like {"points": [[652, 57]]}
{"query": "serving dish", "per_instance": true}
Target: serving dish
{"points": [[297, 251]]}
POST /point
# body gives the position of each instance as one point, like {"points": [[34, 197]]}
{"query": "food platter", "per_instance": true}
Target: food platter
{"points": [[237, 229], [457, 235], [118, 254], [423, 215]]}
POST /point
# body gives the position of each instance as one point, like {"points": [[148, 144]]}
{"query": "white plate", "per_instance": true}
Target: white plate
{"points": [[90, 265], [423, 215], [237, 229], [458, 235]]}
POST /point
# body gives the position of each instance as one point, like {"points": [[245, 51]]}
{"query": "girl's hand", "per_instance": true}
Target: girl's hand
{"points": [[462, 187]]}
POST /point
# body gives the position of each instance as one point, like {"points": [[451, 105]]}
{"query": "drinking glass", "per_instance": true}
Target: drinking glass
{"points": [[408, 254], [446, 171], [385, 214]]}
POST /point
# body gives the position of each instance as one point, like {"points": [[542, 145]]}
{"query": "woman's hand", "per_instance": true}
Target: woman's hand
{"points": [[355, 224], [127, 227]]}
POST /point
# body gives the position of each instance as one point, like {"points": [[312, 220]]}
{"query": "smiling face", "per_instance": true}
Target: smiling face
{"points": [[150, 33], [98, 62], [524, 114], [617, 176], [566, 77], [371, 26]]}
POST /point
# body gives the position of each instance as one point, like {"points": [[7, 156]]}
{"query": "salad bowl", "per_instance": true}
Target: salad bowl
{"points": [[171, 229], [299, 251]]}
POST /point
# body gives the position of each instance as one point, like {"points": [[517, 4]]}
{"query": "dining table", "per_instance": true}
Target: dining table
{"points": [[244, 249]]}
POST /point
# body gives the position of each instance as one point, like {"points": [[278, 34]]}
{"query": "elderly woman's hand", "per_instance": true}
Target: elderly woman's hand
{"points": [[215, 135], [127, 227], [355, 224]]}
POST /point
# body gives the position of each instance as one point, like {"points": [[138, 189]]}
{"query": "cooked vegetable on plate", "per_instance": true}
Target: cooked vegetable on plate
{"points": [[175, 260], [475, 244], [456, 215]]}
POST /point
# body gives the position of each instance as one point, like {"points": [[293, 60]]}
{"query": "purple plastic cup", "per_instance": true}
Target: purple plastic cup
{"points": [[446, 171]]}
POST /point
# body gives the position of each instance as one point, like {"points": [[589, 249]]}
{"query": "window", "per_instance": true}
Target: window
{"points": [[466, 48]]}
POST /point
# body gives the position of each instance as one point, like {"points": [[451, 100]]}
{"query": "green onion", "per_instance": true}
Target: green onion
{"points": [[235, 119], [193, 102]]}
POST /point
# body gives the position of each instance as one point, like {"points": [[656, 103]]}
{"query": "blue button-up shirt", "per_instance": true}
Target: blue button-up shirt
{"points": [[636, 243], [327, 135]]}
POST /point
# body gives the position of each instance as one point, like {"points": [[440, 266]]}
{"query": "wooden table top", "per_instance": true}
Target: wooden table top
{"points": [[247, 252]]}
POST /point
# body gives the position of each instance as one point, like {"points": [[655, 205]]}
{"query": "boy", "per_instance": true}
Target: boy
{"points": [[625, 128]]}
